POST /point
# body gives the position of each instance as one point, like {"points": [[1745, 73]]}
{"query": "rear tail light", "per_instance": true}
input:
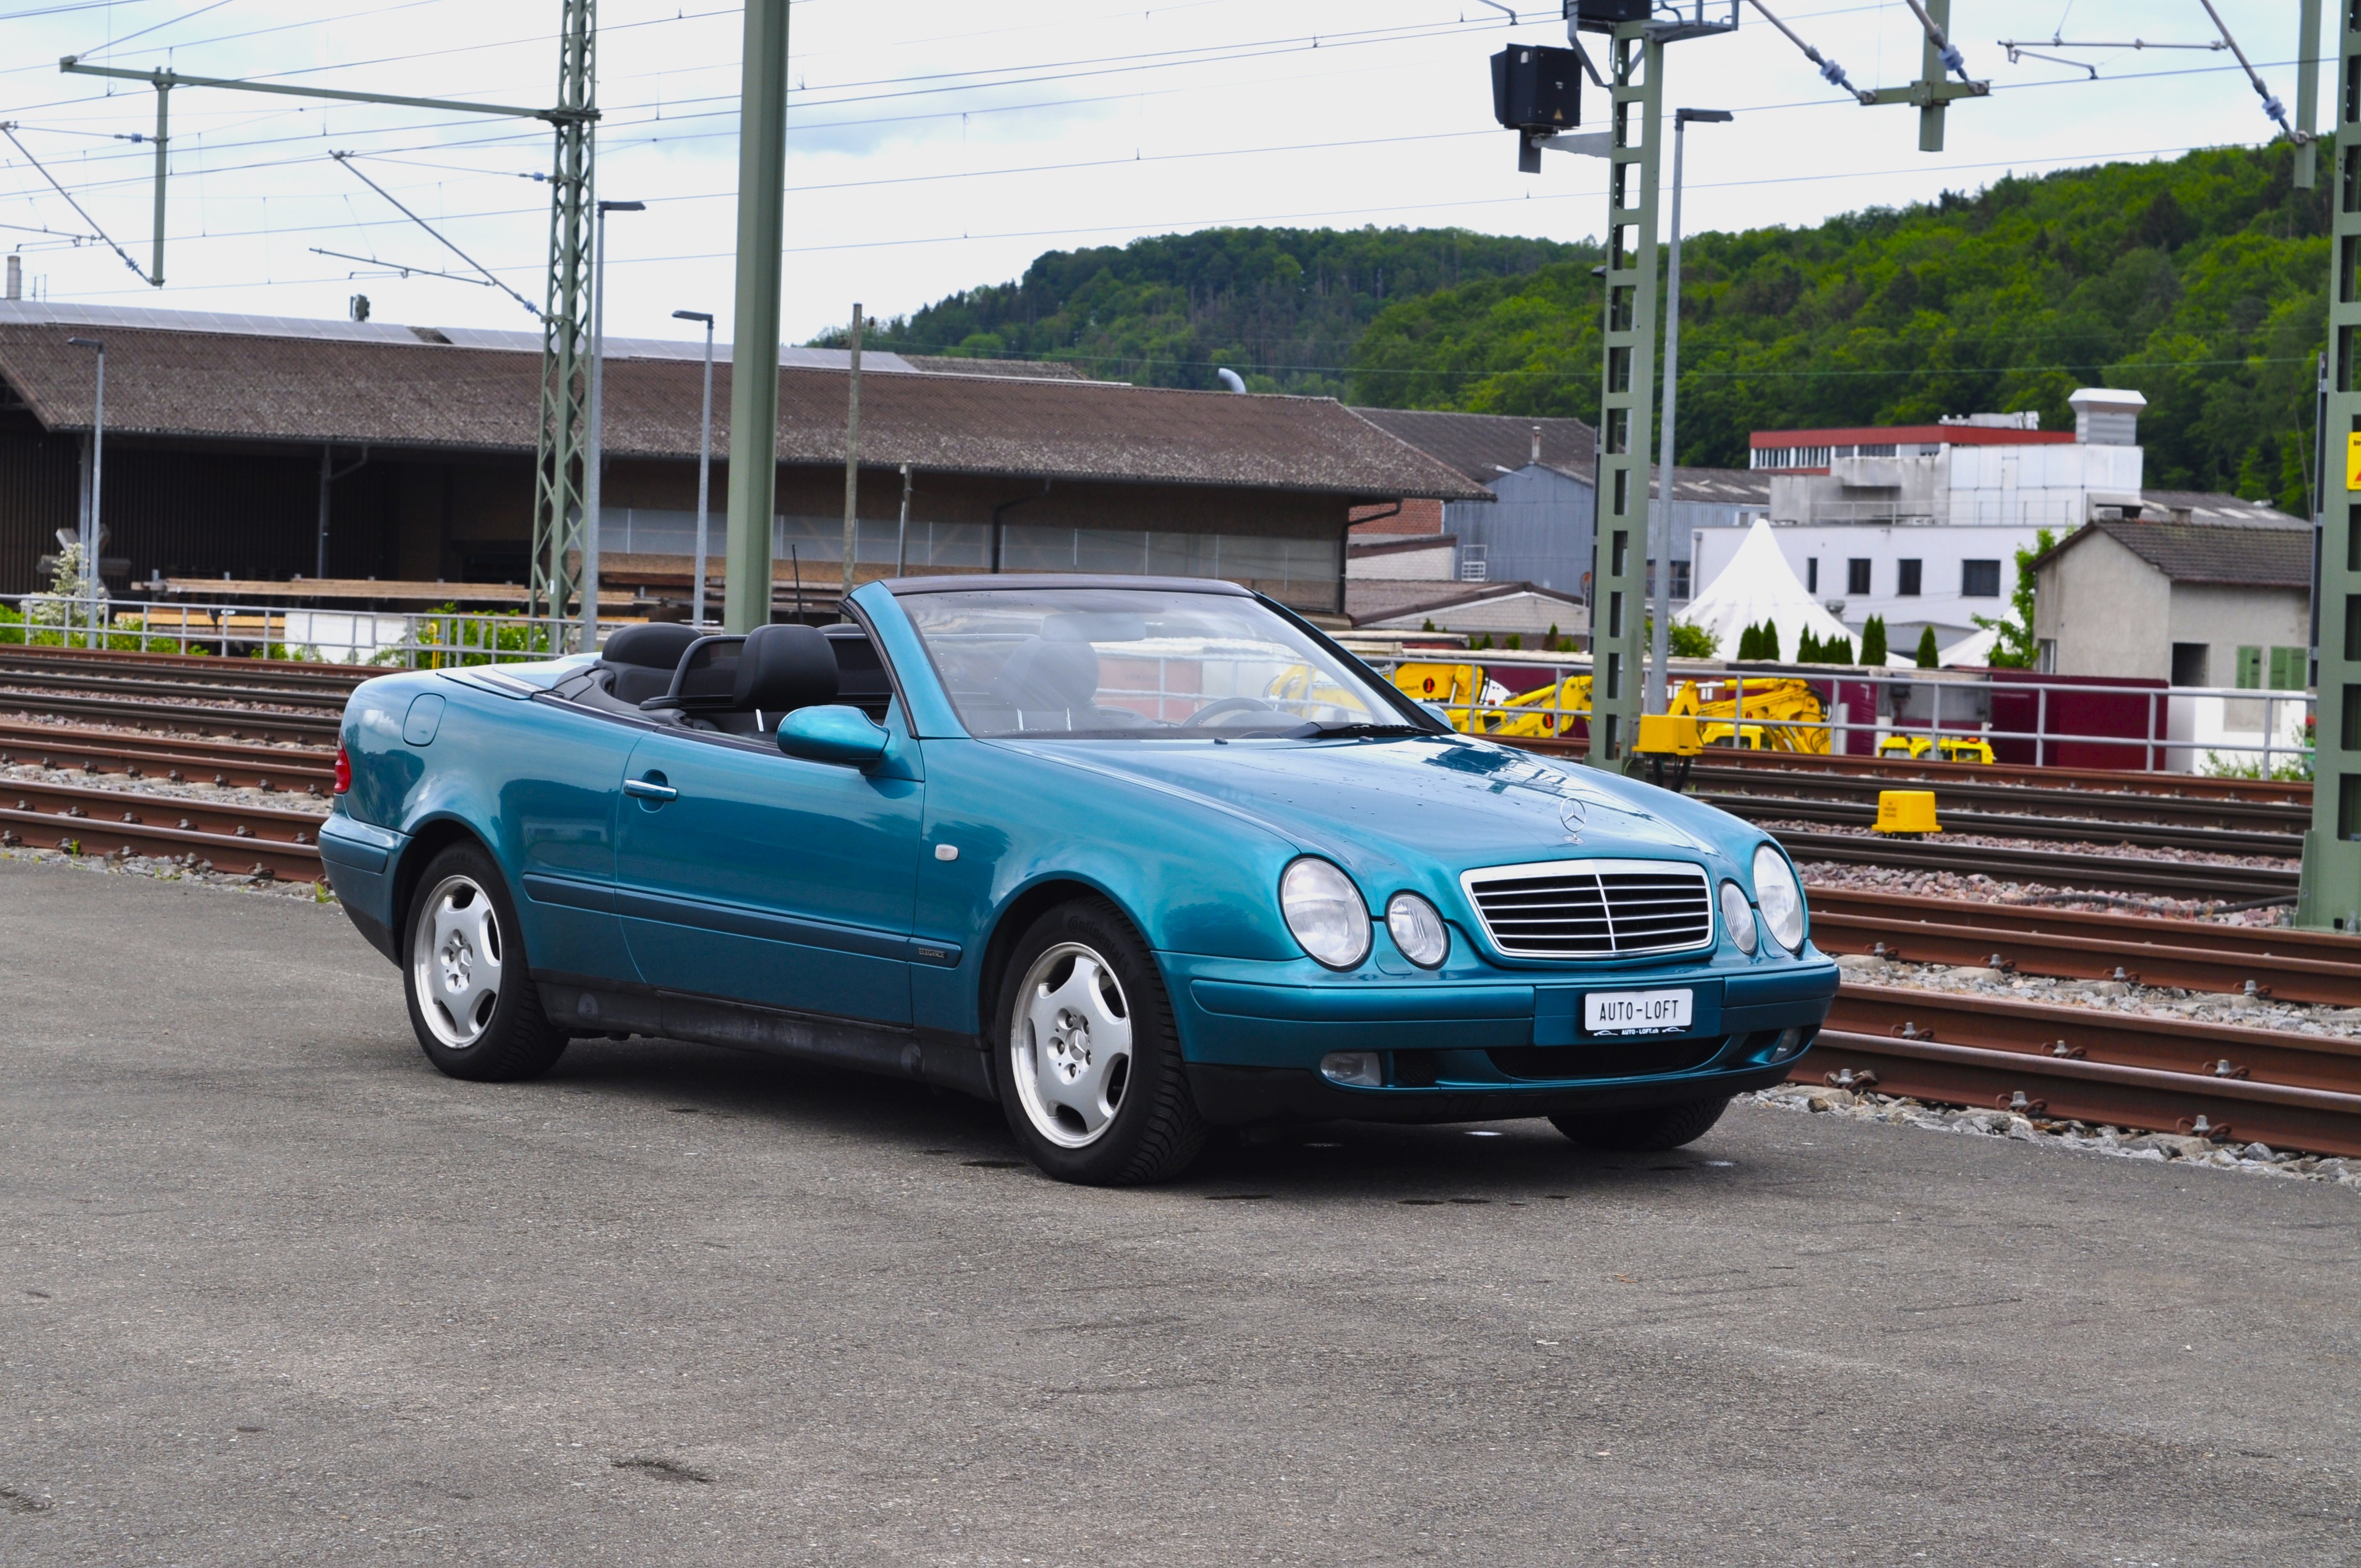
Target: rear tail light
{"points": [[343, 772]]}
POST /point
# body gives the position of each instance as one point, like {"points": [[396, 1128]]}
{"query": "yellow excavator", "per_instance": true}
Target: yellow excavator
{"points": [[1476, 705], [1778, 716]]}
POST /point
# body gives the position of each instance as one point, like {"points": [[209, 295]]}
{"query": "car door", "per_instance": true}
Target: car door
{"points": [[561, 807], [746, 875]]}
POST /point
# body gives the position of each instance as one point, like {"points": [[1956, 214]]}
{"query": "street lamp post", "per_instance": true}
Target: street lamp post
{"points": [[1661, 544], [597, 455], [704, 458], [90, 531]]}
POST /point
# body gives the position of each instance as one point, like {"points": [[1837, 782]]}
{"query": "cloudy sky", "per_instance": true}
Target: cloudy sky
{"points": [[934, 145]]}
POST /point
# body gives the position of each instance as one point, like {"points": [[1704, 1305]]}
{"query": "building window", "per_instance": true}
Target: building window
{"points": [[1911, 574], [1856, 577], [2290, 669], [2188, 664], [1680, 579], [2250, 669], [1812, 574], [1980, 579], [2046, 660]]}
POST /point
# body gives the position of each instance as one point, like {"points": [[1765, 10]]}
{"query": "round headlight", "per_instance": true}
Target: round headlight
{"points": [[1780, 897], [1417, 930], [1737, 916], [1326, 912]]}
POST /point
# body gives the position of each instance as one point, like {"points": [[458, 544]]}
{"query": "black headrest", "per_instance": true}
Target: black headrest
{"points": [[1051, 673], [656, 645], [783, 668]]}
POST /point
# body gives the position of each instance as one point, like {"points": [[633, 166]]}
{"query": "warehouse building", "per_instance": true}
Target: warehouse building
{"points": [[263, 450]]}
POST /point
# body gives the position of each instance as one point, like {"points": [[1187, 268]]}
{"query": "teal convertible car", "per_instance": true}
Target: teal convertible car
{"points": [[1136, 858]]}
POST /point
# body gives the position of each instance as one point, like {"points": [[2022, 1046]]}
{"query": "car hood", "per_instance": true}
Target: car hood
{"points": [[1445, 802]]}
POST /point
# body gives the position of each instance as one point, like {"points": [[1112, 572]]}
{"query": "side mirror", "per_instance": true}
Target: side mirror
{"points": [[832, 733]]}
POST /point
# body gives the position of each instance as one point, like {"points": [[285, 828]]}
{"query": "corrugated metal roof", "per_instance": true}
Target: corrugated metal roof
{"points": [[369, 387], [1483, 446]]}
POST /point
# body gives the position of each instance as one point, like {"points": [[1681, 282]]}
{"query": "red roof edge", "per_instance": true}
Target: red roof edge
{"points": [[1872, 435]]}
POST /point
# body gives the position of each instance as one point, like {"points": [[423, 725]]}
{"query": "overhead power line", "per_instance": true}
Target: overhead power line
{"points": [[346, 160], [8, 129], [2272, 108]]}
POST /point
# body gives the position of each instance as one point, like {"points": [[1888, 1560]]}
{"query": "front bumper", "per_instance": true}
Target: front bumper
{"points": [[1480, 1045]]}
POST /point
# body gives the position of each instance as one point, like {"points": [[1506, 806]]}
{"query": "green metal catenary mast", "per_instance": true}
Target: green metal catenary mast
{"points": [[2330, 898]]}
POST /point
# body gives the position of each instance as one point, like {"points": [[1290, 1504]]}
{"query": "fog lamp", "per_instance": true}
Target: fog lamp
{"points": [[1789, 1043], [1355, 1069]]}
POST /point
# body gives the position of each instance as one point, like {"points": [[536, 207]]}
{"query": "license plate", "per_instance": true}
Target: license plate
{"points": [[1636, 1012]]}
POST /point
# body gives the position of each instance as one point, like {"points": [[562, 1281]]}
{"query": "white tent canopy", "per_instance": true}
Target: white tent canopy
{"points": [[1757, 585]]}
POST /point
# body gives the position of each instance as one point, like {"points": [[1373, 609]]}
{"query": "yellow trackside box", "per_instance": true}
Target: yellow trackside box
{"points": [[1907, 811], [2352, 461], [1669, 735]]}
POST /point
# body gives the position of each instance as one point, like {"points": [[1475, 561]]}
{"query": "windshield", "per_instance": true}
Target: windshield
{"points": [[1140, 661]]}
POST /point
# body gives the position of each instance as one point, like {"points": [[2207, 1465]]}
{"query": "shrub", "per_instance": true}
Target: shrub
{"points": [[1927, 656]]}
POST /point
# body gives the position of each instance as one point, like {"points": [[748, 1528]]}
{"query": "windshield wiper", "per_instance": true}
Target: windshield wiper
{"points": [[1351, 730]]}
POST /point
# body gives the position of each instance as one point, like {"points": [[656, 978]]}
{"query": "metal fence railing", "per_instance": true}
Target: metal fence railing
{"points": [[2039, 719], [433, 639]]}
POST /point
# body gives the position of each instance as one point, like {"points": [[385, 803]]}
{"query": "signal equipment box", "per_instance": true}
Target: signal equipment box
{"points": [[1537, 89]]}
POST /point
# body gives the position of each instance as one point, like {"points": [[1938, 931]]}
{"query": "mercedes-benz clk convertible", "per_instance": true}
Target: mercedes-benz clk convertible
{"points": [[1136, 858]]}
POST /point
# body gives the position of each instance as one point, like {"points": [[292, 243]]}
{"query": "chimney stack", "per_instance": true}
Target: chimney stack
{"points": [[2106, 416], [16, 277]]}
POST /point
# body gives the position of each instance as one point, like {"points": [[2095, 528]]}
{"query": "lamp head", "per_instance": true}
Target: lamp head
{"points": [[606, 207], [87, 343], [692, 317]]}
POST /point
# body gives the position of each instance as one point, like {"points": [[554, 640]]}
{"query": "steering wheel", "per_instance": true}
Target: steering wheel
{"points": [[1214, 710]]}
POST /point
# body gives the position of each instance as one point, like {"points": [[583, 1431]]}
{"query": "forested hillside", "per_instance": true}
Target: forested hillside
{"points": [[2200, 283], [1283, 307]]}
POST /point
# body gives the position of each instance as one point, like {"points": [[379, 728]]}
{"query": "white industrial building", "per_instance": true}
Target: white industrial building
{"points": [[1921, 525]]}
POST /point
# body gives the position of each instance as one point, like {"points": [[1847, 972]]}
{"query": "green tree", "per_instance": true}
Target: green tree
{"points": [[1928, 658], [2012, 645], [1685, 642], [1872, 641]]}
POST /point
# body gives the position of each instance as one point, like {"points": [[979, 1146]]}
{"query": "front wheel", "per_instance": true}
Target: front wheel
{"points": [[1655, 1128], [1089, 1067], [473, 1002]]}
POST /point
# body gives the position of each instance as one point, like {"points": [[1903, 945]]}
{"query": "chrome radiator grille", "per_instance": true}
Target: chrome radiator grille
{"points": [[1593, 909]]}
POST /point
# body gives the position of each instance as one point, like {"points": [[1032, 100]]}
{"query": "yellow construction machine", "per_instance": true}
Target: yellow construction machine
{"points": [[1946, 747], [1778, 715], [1478, 705]]}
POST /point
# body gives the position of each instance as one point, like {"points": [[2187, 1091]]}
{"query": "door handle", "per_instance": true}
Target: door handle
{"points": [[650, 789]]}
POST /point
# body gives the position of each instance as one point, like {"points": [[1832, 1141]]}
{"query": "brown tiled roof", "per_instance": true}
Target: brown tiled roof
{"points": [[2257, 553], [252, 387]]}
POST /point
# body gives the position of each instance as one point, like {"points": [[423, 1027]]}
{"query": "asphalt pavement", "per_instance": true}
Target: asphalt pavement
{"points": [[272, 1290]]}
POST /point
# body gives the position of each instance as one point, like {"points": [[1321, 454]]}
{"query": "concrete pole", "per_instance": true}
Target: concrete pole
{"points": [[91, 530], [595, 458], [754, 333], [703, 467], [852, 452]]}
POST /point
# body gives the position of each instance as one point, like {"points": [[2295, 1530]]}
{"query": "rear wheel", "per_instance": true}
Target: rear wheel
{"points": [[1089, 1063], [472, 1000], [1652, 1128]]}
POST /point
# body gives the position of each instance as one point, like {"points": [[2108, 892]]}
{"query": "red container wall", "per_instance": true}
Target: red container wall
{"points": [[2134, 709]]}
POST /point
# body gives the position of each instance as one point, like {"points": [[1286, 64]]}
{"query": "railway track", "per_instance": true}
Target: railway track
{"points": [[282, 674], [2069, 944], [2202, 880], [1973, 798], [2170, 1075], [190, 718], [309, 771], [249, 839], [2074, 829], [1898, 773]]}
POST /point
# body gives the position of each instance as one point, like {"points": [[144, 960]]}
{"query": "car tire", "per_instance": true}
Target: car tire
{"points": [[1656, 1127], [1086, 1059], [473, 1002]]}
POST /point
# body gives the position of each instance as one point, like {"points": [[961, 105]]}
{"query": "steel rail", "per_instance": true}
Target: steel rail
{"points": [[237, 723], [108, 685], [2190, 955], [2057, 868], [201, 667], [2097, 1064], [2194, 786], [309, 769], [2113, 806], [110, 822], [2316, 1120], [2009, 825]]}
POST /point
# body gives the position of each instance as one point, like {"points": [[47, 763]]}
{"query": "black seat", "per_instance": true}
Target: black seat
{"points": [[640, 659], [783, 668]]}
